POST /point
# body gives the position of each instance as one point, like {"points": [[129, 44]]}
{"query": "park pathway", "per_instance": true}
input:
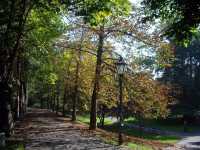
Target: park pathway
{"points": [[44, 130], [190, 143]]}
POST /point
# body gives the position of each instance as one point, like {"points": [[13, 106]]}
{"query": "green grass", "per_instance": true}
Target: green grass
{"points": [[144, 135], [86, 119], [134, 146], [132, 132], [174, 125], [10, 146]]}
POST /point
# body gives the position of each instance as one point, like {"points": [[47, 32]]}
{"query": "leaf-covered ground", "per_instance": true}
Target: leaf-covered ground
{"points": [[44, 130]]}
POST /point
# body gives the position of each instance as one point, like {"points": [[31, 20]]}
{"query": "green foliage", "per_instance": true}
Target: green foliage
{"points": [[53, 78], [181, 17], [45, 26], [170, 124], [184, 76], [164, 56], [146, 97], [10, 146], [97, 12]]}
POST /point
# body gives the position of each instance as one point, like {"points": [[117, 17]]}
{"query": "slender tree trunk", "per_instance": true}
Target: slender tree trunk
{"points": [[93, 109], [47, 100], [103, 115], [76, 89], [57, 103], [18, 105], [51, 98], [26, 95], [41, 103], [9, 52], [6, 120], [19, 88], [54, 99], [64, 99], [23, 104]]}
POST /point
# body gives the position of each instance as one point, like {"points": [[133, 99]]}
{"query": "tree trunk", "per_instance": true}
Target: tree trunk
{"points": [[48, 99], [23, 99], [6, 121], [93, 109], [57, 102], [41, 103], [76, 89], [51, 98], [54, 100], [9, 52], [103, 115], [26, 96], [64, 99]]}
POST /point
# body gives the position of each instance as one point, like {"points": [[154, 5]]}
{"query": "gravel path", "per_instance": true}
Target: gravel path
{"points": [[43, 130]]}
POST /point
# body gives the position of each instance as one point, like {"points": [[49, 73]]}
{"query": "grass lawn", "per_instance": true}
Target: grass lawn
{"points": [[138, 147], [10, 146], [86, 119], [144, 135], [131, 132], [168, 124]]}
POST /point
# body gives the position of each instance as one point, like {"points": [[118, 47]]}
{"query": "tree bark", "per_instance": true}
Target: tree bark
{"points": [[54, 99], [57, 104], [6, 121], [57, 100], [9, 51], [64, 99], [93, 109], [76, 89]]}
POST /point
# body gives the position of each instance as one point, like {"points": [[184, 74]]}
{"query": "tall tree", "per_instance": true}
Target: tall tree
{"points": [[13, 19], [184, 76], [13, 56], [99, 16]]}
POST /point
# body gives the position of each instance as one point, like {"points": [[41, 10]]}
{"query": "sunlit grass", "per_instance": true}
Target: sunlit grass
{"points": [[86, 119], [140, 134], [130, 131], [138, 147]]}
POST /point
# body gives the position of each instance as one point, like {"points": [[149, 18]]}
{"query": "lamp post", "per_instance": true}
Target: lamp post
{"points": [[121, 69]]}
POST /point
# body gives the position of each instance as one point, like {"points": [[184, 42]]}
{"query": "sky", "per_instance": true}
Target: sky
{"points": [[136, 2]]}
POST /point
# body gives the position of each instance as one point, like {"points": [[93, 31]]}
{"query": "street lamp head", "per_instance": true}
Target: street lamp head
{"points": [[121, 66]]}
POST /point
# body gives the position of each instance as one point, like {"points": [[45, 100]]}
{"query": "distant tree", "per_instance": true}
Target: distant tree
{"points": [[184, 74]]}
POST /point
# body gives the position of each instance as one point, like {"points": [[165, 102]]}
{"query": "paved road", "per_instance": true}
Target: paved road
{"points": [[190, 143], [43, 130]]}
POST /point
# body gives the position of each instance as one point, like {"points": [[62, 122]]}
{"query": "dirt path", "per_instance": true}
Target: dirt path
{"points": [[43, 130]]}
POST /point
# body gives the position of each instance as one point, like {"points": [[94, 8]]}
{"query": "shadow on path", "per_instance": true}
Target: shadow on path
{"points": [[44, 130]]}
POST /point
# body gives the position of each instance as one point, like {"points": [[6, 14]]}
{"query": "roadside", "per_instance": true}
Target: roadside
{"points": [[177, 140]]}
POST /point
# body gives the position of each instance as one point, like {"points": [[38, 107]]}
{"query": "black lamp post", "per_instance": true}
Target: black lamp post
{"points": [[121, 69]]}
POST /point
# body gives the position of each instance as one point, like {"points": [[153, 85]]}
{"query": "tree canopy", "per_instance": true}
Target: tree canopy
{"points": [[62, 55], [181, 17]]}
